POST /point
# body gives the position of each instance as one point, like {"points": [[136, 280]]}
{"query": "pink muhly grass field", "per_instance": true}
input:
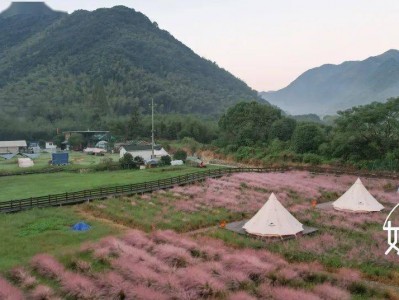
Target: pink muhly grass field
{"points": [[165, 265], [8, 291], [47, 266]]}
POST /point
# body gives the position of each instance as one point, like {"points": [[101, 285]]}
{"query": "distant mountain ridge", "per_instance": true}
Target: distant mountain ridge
{"points": [[28, 8], [329, 88]]}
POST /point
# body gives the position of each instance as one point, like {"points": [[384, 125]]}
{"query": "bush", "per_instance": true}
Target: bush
{"points": [[313, 159], [165, 160], [139, 161], [180, 155], [127, 162], [244, 153], [107, 164]]}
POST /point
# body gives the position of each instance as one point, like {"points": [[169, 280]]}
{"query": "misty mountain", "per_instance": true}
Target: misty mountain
{"points": [[329, 88]]}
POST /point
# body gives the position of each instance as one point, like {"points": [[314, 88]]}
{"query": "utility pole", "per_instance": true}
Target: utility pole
{"points": [[152, 130]]}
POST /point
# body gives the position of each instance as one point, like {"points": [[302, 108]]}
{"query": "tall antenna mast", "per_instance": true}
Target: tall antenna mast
{"points": [[152, 130]]}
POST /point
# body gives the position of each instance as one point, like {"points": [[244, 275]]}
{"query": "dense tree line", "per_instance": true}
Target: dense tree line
{"points": [[361, 135]]}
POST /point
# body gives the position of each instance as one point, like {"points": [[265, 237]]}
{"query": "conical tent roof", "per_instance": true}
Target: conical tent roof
{"points": [[273, 220], [357, 198]]}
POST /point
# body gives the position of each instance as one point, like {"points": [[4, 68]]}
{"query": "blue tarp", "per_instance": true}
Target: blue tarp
{"points": [[81, 226]]}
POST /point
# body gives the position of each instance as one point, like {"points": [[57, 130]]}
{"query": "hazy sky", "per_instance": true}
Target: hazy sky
{"points": [[268, 43]]}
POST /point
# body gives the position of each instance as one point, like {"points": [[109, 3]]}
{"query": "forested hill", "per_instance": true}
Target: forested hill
{"points": [[329, 88], [79, 69]]}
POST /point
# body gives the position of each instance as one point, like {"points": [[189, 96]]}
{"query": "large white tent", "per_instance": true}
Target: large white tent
{"points": [[273, 220], [357, 199]]}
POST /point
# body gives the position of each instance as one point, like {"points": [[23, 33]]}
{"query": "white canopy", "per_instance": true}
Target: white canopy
{"points": [[357, 198], [273, 220]]}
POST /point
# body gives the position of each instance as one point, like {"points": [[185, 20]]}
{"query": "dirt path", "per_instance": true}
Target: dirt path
{"points": [[201, 230], [87, 215]]}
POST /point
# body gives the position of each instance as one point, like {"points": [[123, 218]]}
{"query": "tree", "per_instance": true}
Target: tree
{"points": [[248, 123], [127, 162], [76, 140], [138, 160], [283, 129], [165, 160], [307, 137], [367, 132], [180, 155], [58, 139]]}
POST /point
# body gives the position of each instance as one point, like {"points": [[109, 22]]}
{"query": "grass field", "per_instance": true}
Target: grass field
{"points": [[25, 186], [47, 230]]}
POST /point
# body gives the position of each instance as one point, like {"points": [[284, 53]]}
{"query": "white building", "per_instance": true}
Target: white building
{"points": [[51, 147], [145, 151]]}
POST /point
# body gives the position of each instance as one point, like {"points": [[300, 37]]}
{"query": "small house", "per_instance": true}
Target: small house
{"points": [[12, 146], [51, 147]]}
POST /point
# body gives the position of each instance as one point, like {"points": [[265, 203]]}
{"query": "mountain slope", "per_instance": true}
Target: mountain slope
{"points": [[329, 88], [92, 66]]}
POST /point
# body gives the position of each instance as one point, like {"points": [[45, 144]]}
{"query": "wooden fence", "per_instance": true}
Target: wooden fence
{"points": [[150, 186]]}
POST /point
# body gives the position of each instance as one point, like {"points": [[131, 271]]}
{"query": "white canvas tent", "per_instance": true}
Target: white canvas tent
{"points": [[273, 220], [357, 199]]}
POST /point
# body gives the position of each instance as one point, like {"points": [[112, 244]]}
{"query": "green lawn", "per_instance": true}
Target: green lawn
{"points": [[25, 186], [25, 234]]}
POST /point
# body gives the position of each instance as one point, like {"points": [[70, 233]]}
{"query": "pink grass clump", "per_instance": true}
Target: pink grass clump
{"points": [[348, 275], [287, 293], [196, 283], [288, 274], [8, 291], [142, 292], [241, 295], [78, 286], [327, 291], [172, 255], [22, 277], [47, 266], [137, 238], [114, 285], [42, 292]]}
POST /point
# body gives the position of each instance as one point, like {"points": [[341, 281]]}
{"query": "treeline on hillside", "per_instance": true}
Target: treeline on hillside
{"points": [[366, 136], [90, 67]]}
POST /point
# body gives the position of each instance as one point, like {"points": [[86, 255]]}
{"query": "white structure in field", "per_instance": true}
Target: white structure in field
{"points": [[357, 199], [25, 162], [12, 146], [51, 147], [144, 151], [273, 220]]}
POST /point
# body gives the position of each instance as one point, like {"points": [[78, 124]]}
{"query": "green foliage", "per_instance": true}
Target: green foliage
{"points": [[307, 137], [76, 140], [283, 129], [58, 139], [313, 159], [248, 123], [138, 160], [367, 132], [127, 162], [180, 155], [165, 160]]}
